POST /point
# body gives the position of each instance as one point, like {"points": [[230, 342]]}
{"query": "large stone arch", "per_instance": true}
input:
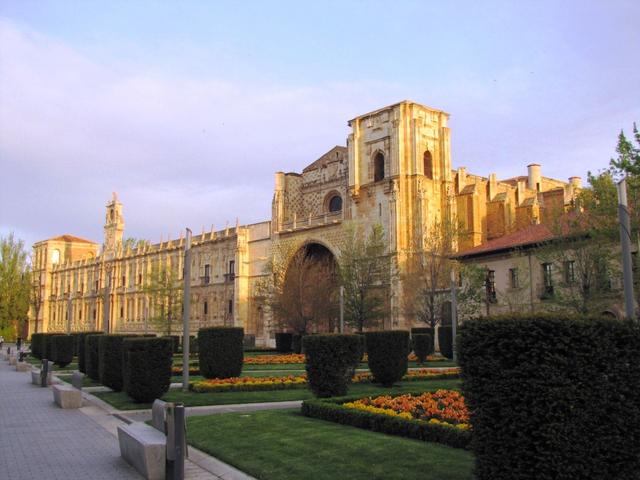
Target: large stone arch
{"points": [[310, 289]]}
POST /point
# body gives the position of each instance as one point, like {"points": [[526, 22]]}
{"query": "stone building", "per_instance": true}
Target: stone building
{"points": [[396, 171]]}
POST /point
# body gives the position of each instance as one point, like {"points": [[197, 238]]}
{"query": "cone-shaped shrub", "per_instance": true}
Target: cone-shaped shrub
{"points": [[146, 367], [91, 359], [62, 349], [552, 396], [110, 360], [422, 345], [82, 349], [388, 351], [330, 362], [220, 351]]}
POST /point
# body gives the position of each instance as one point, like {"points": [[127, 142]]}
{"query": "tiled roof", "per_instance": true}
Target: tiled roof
{"points": [[531, 235], [71, 238]]}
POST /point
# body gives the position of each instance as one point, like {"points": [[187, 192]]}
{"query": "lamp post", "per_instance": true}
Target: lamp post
{"points": [[625, 242], [186, 307]]}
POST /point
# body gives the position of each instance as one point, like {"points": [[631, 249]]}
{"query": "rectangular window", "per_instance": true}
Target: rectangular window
{"points": [[490, 284], [121, 312], [569, 272], [230, 307], [139, 279], [97, 285], [124, 280], [514, 282], [547, 280], [206, 278], [232, 266], [94, 313], [80, 314], [205, 307]]}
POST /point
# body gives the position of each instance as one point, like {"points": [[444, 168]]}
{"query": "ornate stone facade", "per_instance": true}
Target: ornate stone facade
{"points": [[395, 171]]}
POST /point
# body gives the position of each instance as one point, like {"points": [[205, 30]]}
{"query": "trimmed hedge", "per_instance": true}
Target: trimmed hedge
{"points": [[445, 340], [221, 354], [91, 359], [82, 349], [47, 350], [110, 360], [330, 362], [333, 411], [146, 367], [76, 338], [422, 345], [552, 396], [421, 331], [62, 349], [175, 342], [193, 344], [296, 343], [388, 351], [284, 341], [37, 340]]}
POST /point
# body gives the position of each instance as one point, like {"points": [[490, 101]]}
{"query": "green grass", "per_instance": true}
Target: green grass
{"points": [[121, 401], [69, 368], [284, 445], [86, 381]]}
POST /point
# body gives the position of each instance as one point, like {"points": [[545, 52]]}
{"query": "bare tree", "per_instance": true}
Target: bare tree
{"points": [[164, 290]]}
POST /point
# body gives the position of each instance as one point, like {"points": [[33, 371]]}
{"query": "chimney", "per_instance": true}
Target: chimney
{"points": [[535, 179], [493, 186], [575, 182]]}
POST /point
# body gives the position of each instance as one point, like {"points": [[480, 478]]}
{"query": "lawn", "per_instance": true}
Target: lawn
{"points": [[86, 381], [284, 445], [69, 368], [121, 401]]}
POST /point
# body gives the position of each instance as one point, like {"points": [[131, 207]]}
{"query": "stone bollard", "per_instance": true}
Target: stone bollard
{"points": [[23, 367], [13, 359]]}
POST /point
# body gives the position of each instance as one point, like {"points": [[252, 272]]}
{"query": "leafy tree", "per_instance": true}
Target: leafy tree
{"points": [[628, 161], [299, 290], [15, 284], [365, 274], [164, 290]]}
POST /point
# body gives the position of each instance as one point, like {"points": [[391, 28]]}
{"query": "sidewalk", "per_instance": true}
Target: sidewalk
{"points": [[39, 440]]}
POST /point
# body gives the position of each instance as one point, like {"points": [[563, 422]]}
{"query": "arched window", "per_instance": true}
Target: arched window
{"points": [[55, 257], [378, 167], [335, 204], [427, 164]]}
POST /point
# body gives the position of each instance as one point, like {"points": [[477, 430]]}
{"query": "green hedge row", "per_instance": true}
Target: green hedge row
{"points": [[333, 411], [146, 367], [552, 397], [388, 351], [220, 354], [82, 349], [47, 349], [37, 341], [91, 358], [330, 362], [110, 360], [62, 347]]}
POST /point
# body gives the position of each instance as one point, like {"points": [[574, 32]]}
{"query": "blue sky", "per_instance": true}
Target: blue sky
{"points": [[187, 108]]}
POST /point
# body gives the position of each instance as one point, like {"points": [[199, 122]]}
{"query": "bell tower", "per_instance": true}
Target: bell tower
{"points": [[113, 225]]}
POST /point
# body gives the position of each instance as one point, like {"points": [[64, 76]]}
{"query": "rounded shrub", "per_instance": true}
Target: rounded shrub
{"points": [[146, 367], [330, 362], [552, 396], [445, 340], [62, 349], [91, 358], [110, 360], [422, 345], [220, 351], [284, 342], [82, 349], [388, 351]]}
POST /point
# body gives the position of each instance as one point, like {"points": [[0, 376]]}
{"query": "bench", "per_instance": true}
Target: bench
{"points": [[23, 367], [66, 396]]}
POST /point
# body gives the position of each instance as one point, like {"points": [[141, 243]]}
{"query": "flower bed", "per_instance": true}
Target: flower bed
{"points": [[440, 417], [274, 359], [247, 384]]}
